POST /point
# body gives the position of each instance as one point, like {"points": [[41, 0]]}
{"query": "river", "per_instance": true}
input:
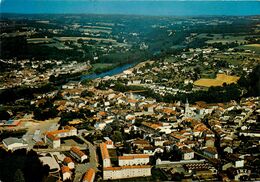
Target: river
{"points": [[112, 72]]}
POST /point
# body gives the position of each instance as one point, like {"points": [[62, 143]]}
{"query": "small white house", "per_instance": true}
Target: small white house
{"points": [[78, 154], [68, 162], [66, 173], [158, 142], [228, 150], [187, 153]]}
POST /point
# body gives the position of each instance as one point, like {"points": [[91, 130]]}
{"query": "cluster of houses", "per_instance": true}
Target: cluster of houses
{"points": [[29, 75], [205, 137], [68, 165], [179, 125]]}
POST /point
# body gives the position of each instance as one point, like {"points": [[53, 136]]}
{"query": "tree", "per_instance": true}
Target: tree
{"points": [[117, 136], [177, 176], [19, 176], [4, 114], [107, 130], [87, 93]]}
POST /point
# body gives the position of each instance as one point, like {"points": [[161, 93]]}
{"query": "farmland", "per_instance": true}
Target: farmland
{"points": [[218, 81], [39, 40], [219, 38], [63, 39], [251, 47]]}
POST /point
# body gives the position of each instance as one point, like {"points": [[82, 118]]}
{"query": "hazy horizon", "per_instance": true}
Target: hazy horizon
{"points": [[133, 7]]}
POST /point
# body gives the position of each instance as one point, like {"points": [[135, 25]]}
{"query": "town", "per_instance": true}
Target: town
{"points": [[189, 113]]}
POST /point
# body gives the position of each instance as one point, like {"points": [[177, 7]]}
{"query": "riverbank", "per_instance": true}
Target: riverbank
{"points": [[111, 72]]}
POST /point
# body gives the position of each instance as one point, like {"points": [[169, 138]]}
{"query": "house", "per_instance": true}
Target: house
{"points": [[149, 108], [78, 154], [100, 125], [148, 150], [109, 142], [209, 142], [210, 152], [199, 129], [52, 140], [13, 144], [187, 153], [140, 143], [158, 142], [132, 103], [68, 162], [237, 161], [228, 149], [177, 137], [89, 175], [66, 173]]}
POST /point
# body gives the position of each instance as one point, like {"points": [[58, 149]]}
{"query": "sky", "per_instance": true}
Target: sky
{"points": [[138, 7]]}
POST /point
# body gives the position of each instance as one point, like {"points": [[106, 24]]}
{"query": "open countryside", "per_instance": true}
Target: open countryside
{"points": [[218, 81]]}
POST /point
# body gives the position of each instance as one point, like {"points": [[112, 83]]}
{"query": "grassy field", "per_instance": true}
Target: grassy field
{"points": [[231, 59], [252, 47], [218, 81], [98, 27], [58, 45], [92, 30], [217, 38], [63, 39], [39, 40]]}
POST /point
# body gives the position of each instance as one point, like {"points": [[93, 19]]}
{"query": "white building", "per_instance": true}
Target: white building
{"points": [[53, 138], [14, 144], [52, 141], [109, 142], [187, 153], [228, 150], [134, 159], [100, 125], [51, 162], [68, 162], [66, 173], [105, 155], [158, 142], [78, 154], [126, 172]]}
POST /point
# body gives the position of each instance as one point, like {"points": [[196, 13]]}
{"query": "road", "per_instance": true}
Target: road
{"points": [[93, 163]]}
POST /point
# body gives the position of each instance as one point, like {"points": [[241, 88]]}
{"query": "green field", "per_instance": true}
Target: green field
{"points": [[219, 38], [39, 40], [252, 47], [64, 39]]}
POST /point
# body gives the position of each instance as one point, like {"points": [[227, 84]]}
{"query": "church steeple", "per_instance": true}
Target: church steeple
{"points": [[187, 107]]}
